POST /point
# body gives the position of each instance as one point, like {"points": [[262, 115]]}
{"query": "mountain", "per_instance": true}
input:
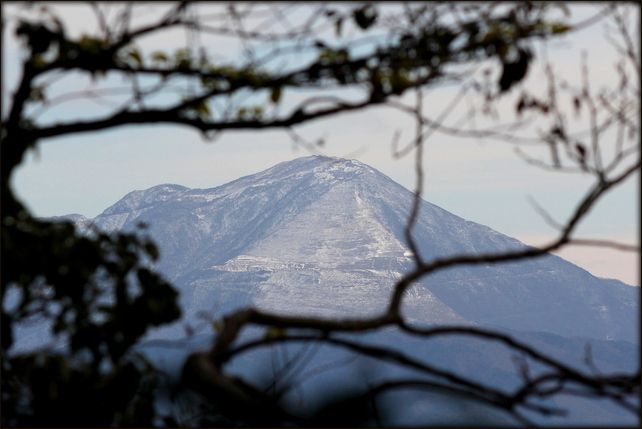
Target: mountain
{"points": [[325, 236]]}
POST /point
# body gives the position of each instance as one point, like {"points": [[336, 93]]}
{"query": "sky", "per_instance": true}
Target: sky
{"points": [[480, 180]]}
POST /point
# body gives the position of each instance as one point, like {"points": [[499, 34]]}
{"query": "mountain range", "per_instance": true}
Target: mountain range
{"points": [[326, 236]]}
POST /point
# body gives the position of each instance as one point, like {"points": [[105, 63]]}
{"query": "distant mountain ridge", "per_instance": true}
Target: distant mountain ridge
{"points": [[325, 236]]}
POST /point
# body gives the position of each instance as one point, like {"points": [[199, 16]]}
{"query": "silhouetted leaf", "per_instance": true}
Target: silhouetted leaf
{"points": [[365, 17]]}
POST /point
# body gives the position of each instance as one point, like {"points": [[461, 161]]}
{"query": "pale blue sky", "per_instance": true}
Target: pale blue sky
{"points": [[483, 181]]}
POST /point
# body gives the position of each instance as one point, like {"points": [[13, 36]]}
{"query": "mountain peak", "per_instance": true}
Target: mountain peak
{"points": [[320, 168], [332, 163]]}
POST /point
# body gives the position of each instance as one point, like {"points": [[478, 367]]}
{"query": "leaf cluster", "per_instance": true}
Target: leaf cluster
{"points": [[99, 297]]}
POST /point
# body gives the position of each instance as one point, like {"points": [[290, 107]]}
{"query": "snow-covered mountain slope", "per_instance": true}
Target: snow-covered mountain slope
{"points": [[325, 236]]}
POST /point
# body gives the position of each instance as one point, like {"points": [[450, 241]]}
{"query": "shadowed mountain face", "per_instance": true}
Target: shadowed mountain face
{"points": [[325, 236]]}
